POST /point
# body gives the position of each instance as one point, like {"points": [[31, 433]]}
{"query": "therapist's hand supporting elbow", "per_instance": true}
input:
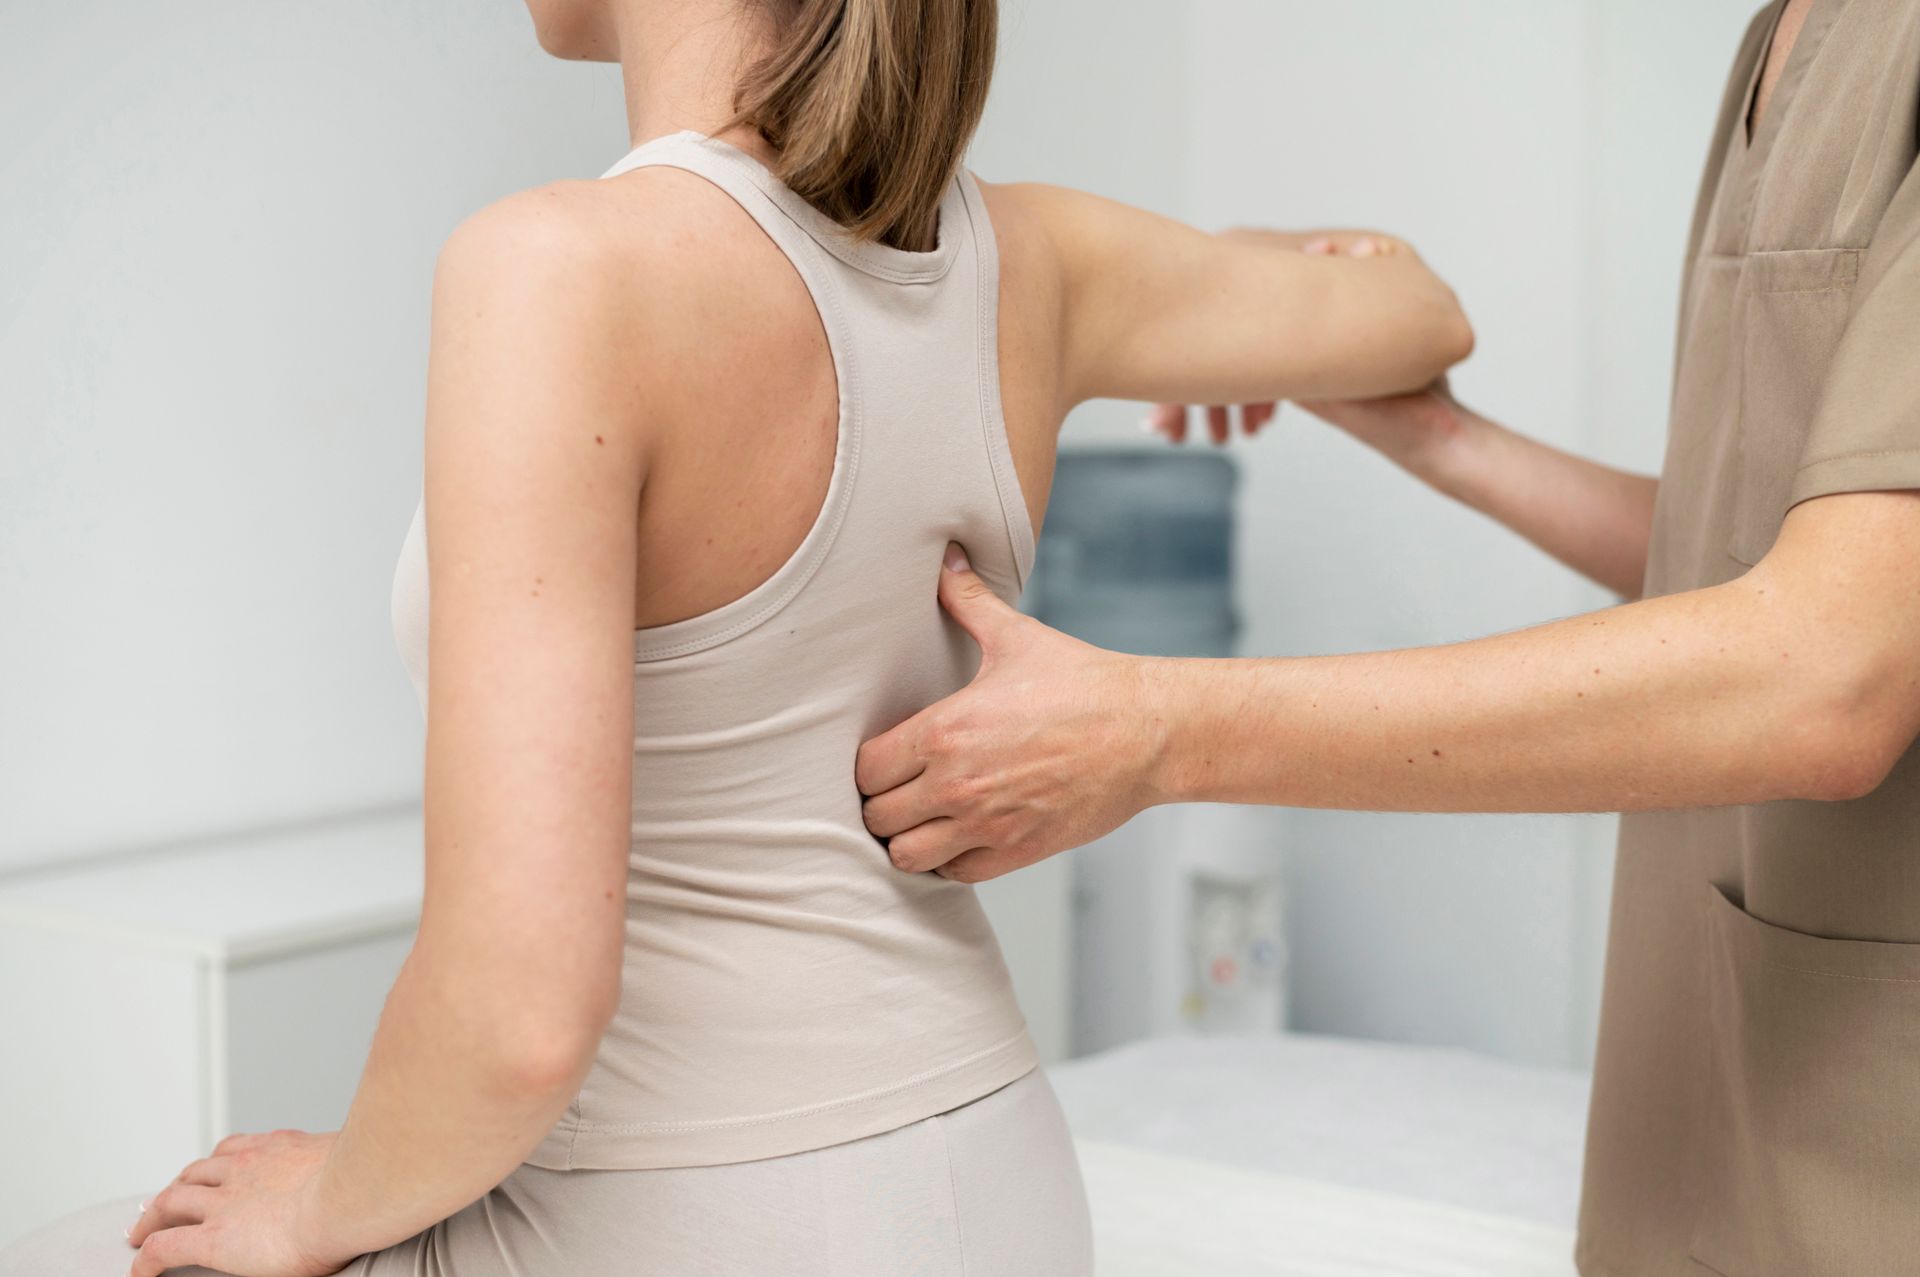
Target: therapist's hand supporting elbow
{"points": [[1794, 681]]}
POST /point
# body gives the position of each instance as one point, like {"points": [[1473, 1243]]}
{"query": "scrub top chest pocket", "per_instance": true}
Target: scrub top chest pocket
{"points": [[1796, 303]]}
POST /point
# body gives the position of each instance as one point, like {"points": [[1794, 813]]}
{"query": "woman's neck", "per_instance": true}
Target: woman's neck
{"points": [[680, 61]]}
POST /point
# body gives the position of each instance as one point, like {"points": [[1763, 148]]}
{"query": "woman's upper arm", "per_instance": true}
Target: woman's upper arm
{"points": [[1157, 310], [534, 462]]}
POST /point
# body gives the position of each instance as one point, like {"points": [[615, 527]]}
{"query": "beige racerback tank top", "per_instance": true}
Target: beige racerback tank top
{"points": [[785, 988]]}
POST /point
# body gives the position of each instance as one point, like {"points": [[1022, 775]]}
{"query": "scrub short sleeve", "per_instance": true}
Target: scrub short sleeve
{"points": [[1865, 433]]}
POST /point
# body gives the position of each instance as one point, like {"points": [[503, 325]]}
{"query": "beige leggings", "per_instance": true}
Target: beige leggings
{"points": [[990, 1189]]}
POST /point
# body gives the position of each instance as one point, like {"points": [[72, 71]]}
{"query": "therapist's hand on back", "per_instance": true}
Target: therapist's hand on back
{"points": [[1052, 745]]}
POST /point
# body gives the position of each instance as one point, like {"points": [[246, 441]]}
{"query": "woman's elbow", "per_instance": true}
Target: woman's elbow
{"points": [[542, 1046], [547, 1054], [1459, 339], [542, 1069], [1453, 336]]}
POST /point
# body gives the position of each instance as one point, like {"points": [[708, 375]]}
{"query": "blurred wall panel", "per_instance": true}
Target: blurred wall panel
{"points": [[215, 260]]}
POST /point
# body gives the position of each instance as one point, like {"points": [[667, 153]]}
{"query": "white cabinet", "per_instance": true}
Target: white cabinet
{"points": [[151, 1003]]}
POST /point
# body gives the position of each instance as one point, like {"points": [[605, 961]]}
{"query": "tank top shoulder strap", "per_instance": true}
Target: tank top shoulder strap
{"points": [[771, 206], [913, 319]]}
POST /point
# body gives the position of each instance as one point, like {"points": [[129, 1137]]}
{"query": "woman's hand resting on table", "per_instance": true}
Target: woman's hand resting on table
{"points": [[244, 1210]]}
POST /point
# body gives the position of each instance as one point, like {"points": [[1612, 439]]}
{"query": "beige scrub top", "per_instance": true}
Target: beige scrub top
{"points": [[1756, 1107]]}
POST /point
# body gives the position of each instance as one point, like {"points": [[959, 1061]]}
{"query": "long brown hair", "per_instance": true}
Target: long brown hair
{"points": [[870, 104]]}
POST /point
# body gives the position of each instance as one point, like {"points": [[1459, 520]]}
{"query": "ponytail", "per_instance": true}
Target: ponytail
{"points": [[870, 105]]}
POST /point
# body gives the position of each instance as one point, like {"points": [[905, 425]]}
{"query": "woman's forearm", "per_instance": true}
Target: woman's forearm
{"points": [[1595, 519], [1674, 702], [449, 1103]]}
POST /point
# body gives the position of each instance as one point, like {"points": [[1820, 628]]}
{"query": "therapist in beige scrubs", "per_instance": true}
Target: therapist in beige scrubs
{"points": [[1756, 1107]]}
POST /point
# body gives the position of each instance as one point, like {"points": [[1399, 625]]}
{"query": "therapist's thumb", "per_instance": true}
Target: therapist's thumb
{"points": [[970, 601]]}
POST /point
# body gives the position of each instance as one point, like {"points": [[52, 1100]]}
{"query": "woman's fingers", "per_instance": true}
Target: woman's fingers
{"points": [[235, 1143], [1219, 429], [211, 1171], [168, 1248], [1169, 420], [172, 1207]]}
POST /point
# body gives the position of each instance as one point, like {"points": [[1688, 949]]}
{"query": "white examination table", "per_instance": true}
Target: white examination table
{"points": [[1300, 1156]]}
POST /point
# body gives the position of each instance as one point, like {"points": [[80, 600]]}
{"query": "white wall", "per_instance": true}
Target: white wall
{"points": [[1087, 98], [216, 251]]}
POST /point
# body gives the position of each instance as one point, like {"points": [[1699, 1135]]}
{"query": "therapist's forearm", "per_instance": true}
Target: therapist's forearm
{"points": [[449, 1104], [1706, 698]]}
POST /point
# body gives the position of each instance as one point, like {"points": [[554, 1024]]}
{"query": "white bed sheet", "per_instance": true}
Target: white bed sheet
{"points": [[1443, 1127], [1158, 1215]]}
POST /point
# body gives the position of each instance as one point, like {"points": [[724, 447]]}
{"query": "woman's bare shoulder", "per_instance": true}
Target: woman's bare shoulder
{"points": [[631, 275], [657, 226]]}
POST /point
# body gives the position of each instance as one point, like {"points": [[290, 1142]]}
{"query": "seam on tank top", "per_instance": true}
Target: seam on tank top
{"points": [[993, 418], [811, 1110], [834, 507]]}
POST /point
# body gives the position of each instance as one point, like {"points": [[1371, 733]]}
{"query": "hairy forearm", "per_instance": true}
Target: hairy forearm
{"points": [[447, 1106], [1595, 519], [1705, 698]]}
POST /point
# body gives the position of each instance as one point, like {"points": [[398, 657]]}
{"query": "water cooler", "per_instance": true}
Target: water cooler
{"points": [[1179, 913]]}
